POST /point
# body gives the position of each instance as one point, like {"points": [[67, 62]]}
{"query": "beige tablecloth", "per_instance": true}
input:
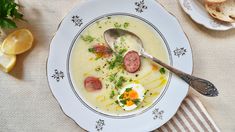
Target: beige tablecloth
{"points": [[27, 104]]}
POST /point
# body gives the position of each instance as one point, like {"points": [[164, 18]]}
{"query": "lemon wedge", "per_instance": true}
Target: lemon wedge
{"points": [[17, 42], [7, 62]]}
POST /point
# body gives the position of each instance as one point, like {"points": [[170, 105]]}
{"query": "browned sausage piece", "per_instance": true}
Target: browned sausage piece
{"points": [[102, 51], [92, 84], [132, 62]]}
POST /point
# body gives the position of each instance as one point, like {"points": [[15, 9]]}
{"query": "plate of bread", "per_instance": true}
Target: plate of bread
{"points": [[213, 14]]}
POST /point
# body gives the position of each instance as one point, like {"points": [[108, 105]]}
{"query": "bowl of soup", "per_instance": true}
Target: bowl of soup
{"points": [[99, 74]]}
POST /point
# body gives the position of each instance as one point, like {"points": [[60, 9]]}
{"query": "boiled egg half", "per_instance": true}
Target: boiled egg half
{"points": [[130, 96]]}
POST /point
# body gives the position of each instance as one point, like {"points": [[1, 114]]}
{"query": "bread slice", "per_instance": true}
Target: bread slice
{"points": [[215, 1], [222, 11]]}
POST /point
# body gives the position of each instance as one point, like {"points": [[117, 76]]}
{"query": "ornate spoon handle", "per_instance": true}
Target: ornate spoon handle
{"points": [[201, 85]]}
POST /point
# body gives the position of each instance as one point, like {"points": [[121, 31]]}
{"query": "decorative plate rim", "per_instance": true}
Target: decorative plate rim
{"points": [[156, 110], [111, 15]]}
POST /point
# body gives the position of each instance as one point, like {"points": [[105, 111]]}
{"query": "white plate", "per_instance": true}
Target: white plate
{"points": [[196, 10], [58, 67]]}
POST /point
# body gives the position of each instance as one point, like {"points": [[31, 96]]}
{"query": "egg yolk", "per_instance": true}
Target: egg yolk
{"points": [[133, 94], [130, 96], [129, 103]]}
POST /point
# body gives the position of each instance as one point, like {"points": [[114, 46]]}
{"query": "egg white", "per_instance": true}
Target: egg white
{"points": [[136, 87]]}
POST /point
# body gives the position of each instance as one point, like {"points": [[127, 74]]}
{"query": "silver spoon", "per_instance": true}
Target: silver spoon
{"points": [[201, 85]]}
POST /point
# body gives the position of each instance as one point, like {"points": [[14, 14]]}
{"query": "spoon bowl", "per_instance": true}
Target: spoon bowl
{"points": [[112, 36]]}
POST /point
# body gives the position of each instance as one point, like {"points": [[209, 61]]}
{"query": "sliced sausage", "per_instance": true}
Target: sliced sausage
{"points": [[132, 62], [92, 84], [102, 50]]}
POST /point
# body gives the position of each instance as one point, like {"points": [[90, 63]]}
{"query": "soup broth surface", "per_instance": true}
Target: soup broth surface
{"points": [[84, 63]]}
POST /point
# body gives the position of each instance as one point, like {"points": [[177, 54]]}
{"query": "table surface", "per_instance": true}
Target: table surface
{"points": [[26, 102]]}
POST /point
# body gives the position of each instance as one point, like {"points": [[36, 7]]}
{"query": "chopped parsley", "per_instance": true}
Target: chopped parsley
{"points": [[123, 101], [92, 50], [117, 25], [128, 89], [121, 97], [122, 51], [120, 82], [116, 62], [112, 94], [108, 17], [112, 77], [146, 92], [162, 71], [116, 102], [136, 101], [88, 38], [126, 25]]}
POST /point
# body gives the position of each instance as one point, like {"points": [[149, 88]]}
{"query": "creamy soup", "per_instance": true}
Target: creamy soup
{"points": [[84, 63]]}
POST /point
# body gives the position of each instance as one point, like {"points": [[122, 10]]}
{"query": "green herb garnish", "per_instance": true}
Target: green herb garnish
{"points": [[8, 12], [92, 50], [117, 25], [123, 101], [162, 71], [128, 89], [112, 94], [146, 92], [112, 77], [88, 38], [120, 82], [118, 60], [116, 102], [122, 51], [126, 25], [121, 97], [115, 47], [108, 17], [136, 101]]}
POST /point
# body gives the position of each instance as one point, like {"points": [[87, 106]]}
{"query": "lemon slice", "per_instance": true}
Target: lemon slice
{"points": [[7, 62], [17, 42]]}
